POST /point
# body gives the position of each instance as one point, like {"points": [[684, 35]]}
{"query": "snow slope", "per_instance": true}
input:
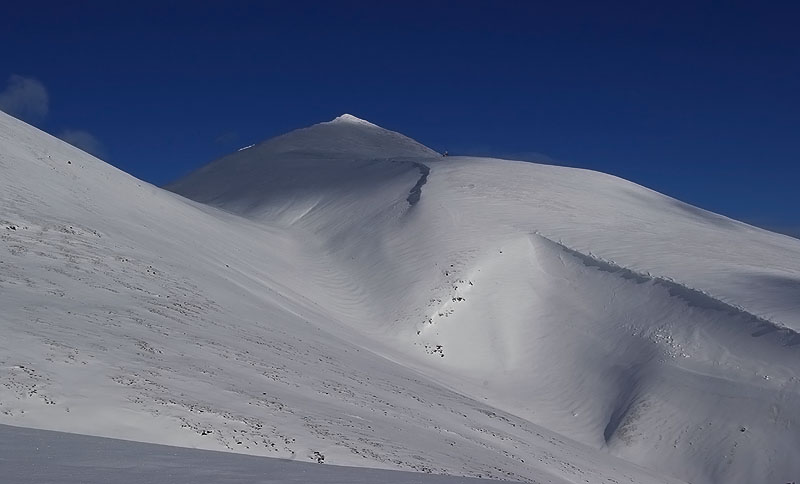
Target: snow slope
{"points": [[616, 316], [131, 312]]}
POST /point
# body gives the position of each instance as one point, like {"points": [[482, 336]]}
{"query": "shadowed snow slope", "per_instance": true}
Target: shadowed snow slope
{"points": [[346, 140], [46, 457], [345, 295]]}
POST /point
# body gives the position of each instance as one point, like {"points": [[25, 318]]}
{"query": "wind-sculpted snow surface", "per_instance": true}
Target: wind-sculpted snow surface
{"points": [[514, 321]]}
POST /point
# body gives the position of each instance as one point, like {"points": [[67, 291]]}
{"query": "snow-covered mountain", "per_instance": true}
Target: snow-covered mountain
{"points": [[344, 294]]}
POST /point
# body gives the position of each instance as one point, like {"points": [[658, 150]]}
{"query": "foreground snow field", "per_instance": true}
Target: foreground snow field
{"points": [[342, 294], [46, 457]]}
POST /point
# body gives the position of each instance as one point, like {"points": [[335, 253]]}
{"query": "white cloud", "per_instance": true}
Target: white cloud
{"points": [[25, 98], [84, 140]]}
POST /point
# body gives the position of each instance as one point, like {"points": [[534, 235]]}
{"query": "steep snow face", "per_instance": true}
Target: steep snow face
{"points": [[131, 312], [614, 315]]}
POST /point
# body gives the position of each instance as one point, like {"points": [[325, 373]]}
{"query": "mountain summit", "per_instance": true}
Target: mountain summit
{"points": [[346, 136], [349, 118], [306, 163]]}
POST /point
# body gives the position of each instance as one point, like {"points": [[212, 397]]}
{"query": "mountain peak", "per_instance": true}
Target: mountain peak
{"points": [[345, 136], [247, 172], [349, 118]]}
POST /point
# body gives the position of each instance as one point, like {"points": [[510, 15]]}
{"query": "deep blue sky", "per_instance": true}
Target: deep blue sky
{"points": [[699, 100]]}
